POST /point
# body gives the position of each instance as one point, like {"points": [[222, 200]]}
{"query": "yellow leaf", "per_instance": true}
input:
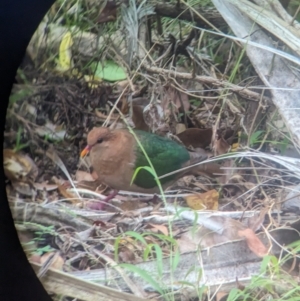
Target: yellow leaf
{"points": [[128, 242], [235, 146], [93, 81], [203, 201], [65, 52]]}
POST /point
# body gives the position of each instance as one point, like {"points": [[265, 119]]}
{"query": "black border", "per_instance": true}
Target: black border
{"points": [[18, 21]]}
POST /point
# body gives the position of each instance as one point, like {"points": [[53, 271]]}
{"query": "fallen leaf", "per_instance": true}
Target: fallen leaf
{"points": [[51, 131], [137, 116], [128, 243], [83, 176], [53, 259], [230, 230], [36, 258], [154, 117], [220, 296], [221, 146], [253, 242], [109, 71], [174, 100], [65, 52], [24, 188], [186, 243], [180, 128], [127, 255], [62, 188], [108, 13], [18, 167], [200, 201], [161, 228], [197, 138], [129, 205]]}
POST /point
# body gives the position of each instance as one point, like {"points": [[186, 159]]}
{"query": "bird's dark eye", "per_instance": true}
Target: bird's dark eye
{"points": [[100, 140]]}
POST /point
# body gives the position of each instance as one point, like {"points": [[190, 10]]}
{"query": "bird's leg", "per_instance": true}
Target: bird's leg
{"points": [[110, 196], [101, 204]]}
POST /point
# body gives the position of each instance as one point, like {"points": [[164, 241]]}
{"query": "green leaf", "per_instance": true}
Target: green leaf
{"points": [[109, 70], [143, 274], [175, 260], [137, 236], [267, 262], [148, 168], [254, 137], [20, 95], [234, 294], [159, 258]]}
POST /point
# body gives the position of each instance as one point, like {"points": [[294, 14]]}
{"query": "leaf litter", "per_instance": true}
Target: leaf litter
{"points": [[52, 192]]}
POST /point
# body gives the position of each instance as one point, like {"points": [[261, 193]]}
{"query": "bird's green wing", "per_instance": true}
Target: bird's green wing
{"points": [[165, 155]]}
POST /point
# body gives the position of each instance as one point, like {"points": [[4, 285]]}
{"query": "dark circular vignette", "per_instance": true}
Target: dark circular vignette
{"points": [[18, 21]]}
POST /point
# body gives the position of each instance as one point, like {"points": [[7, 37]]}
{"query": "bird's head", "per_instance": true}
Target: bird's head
{"points": [[96, 137]]}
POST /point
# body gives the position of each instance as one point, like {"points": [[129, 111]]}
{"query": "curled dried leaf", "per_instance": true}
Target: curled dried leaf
{"points": [[18, 167], [253, 242], [200, 201]]}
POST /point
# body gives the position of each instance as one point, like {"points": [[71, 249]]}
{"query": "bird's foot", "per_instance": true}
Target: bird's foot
{"points": [[100, 205]]}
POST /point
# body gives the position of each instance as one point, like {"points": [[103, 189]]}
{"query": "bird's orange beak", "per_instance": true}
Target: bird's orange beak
{"points": [[85, 151]]}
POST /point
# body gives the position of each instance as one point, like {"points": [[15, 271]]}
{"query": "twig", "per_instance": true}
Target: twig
{"points": [[242, 91]]}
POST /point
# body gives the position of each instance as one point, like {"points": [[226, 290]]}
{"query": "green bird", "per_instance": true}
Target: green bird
{"points": [[115, 155]]}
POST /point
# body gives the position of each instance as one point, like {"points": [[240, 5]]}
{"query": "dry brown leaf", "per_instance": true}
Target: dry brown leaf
{"points": [[232, 230], [83, 176], [159, 228], [220, 295], [108, 13], [174, 100], [137, 116], [221, 146], [126, 255], [130, 205], [62, 188], [56, 261], [253, 242], [66, 194], [128, 242], [186, 243], [180, 128], [197, 138], [154, 118], [207, 238], [18, 167], [35, 258], [207, 200], [24, 188]]}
